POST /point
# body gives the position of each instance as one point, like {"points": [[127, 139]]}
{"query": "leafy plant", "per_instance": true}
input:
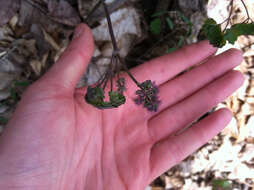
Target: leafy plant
{"points": [[147, 95], [219, 37], [213, 32], [95, 96], [156, 26], [237, 30]]}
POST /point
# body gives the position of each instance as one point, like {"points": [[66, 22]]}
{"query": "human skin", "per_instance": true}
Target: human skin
{"points": [[56, 141]]}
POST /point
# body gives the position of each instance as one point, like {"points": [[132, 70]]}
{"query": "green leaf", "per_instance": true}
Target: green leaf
{"points": [[220, 184], [21, 83], [184, 18], [179, 45], [180, 42], [213, 32], [155, 26], [187, 21], [116, 99], [160, 13], [13, 94], [237, 30], [3, 120], [95, 96], [170, 50], [170, 23]]}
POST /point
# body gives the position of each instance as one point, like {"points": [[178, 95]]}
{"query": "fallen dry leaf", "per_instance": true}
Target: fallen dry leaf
{"points": [[5, 79], [63, 12], [4, 94], [8, 9], [42, 45]]}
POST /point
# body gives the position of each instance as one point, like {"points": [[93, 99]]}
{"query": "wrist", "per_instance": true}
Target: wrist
{"points": [[26, 181], [24, 173]]}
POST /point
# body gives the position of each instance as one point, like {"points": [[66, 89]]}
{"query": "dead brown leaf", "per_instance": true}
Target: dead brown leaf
{"points": [[63, 12], [41, 44], [7, 10]]}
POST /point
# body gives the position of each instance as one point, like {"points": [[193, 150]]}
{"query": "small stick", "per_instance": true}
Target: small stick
{"points": [[230, 14], [245, 7], [115, 48]]}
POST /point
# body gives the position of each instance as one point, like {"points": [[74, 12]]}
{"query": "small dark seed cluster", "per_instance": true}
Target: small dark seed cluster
{"points": [[120, 83], [148, 96]]}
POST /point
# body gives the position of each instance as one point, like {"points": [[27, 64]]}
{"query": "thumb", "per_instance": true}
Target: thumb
{"points": [[67, 71]]}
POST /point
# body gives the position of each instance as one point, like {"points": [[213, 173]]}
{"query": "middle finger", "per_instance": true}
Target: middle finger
{"points": [[184, 85]]}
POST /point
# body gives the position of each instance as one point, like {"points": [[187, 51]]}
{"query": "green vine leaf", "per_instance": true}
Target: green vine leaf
{"points": [[237, 30], [155, 26], [213, 32]]}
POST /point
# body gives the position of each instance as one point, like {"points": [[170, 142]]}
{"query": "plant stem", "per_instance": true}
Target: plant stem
{"points": [[245, 7], [230, 14], [105, 84], [127, 70], [115, 48], [110, 27], [101, 81]]}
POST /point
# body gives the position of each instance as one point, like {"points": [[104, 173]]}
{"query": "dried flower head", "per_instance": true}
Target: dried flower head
{"points": [[148, 95], [120, 83]]}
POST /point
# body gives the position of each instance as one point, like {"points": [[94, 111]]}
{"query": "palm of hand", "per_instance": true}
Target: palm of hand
{"points": [[78, 138], [123, 148]]}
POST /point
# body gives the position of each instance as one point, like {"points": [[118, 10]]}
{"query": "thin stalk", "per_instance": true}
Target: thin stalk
{"points": [[112, 72], [102, 80], [105, 84], [230, 14], [115, 48], [128, 72], [245, 7], [110, 27], [118, 70], [111, 84]]}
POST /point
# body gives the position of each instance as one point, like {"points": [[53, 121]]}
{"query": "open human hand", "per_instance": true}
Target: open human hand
{"points": [[55, 140]]}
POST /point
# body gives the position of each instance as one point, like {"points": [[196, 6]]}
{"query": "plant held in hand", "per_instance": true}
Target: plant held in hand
{"points": [[147, 94]]}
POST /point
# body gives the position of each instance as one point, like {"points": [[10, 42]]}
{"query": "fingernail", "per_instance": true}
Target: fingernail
{"points": [[78, 32]]}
